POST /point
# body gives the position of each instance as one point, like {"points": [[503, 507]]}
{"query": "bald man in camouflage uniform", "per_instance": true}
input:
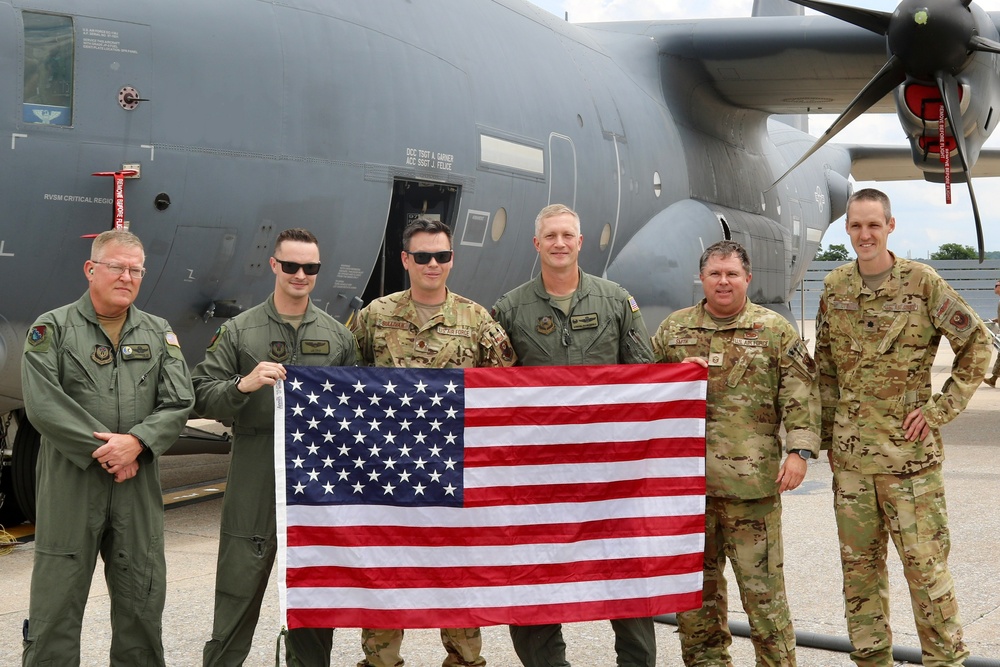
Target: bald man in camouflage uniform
{"points": [[879, 325], [428, 326], [760, 375]]}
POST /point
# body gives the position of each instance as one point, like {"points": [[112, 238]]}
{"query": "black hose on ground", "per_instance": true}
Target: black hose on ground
{"points": [[839, 644]]}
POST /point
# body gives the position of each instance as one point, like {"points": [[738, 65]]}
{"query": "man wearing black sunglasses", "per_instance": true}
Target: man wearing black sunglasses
{"points": [[566, 317], [243, 362], [428, 326]]}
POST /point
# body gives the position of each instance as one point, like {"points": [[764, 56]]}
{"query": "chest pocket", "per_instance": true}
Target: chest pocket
{"points": [[600, 343], [746, 356]]}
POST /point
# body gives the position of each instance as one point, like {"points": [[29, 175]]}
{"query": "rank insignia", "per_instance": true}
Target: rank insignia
{"points": [[278, 351], [103, 355], [546, 325]]}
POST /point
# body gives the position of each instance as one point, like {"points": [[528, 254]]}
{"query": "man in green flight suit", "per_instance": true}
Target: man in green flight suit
{"points": [[879, 325], [428, 326], [107, 387], [566, 317], [760, 376], [236, 381]]}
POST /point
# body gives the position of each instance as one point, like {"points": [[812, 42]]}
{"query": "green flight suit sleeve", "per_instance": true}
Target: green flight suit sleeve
{"points": [[634, 345], [58, 417], [216, 395], [174, 400]]}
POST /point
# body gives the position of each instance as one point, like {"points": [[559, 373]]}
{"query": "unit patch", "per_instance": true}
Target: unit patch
{"points": [[315, 347], [546, 325], [37, 336], [103, 355], [214, 343], [588, 321], [278, 351]]}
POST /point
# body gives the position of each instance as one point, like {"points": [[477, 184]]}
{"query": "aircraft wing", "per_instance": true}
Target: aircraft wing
{"points": [[781, 65], [895, 163]]}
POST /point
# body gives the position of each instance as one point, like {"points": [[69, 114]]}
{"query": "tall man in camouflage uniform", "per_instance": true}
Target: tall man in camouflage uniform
{"points": [[879, 324], [236, 381], [428, 326], [760, 376], [566, 317], [107, 387]]}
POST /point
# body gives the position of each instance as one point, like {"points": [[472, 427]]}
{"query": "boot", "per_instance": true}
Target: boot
{"points": [[991, 381]]}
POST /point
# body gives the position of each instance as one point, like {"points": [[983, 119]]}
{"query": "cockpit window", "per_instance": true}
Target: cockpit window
{"points": [[48, 69]]}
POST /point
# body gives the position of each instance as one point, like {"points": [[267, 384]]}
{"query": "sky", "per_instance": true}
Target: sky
{"points": [[923, 220]]}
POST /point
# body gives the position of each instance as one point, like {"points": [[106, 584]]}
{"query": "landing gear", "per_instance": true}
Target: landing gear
{"points": [[17, 473]]}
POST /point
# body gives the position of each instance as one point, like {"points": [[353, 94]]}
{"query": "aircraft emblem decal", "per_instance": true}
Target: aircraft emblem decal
{"points": [[46, 115]]}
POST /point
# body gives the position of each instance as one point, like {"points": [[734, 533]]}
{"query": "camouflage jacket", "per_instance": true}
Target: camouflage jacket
{"points": [[461, 335], [604, 325], [874, 352], [760, 375]]}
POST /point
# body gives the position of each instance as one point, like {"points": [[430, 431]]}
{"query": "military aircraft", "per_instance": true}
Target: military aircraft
{"points": [[207, 127]]}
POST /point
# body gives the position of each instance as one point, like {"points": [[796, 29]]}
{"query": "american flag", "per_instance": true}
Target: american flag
{"points": [[425, 498]]}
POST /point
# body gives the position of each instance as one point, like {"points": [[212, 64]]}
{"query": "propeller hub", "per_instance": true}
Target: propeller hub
{"points": [[932, 36]]}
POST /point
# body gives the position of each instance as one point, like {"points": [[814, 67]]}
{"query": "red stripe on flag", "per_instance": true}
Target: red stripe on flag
{"points": [[390, 578], [555, 376], [583, 414], [472, 618], [574, 493], [481, 536], [592, 452]]}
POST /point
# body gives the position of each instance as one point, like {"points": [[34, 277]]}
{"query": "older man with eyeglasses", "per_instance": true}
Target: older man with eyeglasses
{"points": [[244, 360], [107, 387], [428, 326]]}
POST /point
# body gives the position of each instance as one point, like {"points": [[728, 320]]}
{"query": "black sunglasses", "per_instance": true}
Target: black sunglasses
{"points": [[293, 267], [441, 257]]}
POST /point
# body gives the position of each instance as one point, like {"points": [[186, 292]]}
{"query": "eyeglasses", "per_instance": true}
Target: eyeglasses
{"points": [[137, 272], [293, 267], [441, 257]]}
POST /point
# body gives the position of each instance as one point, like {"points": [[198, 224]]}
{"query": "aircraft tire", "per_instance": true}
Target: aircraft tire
{"points": [[10, 512], [27, 442]]}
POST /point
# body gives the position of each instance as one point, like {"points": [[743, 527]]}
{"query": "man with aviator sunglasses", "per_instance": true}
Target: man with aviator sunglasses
{"points": [[244, 360], [428, 326]]}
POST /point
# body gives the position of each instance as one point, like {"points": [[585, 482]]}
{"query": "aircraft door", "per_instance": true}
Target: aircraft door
{"points": [[409, 200], [562, 170]]}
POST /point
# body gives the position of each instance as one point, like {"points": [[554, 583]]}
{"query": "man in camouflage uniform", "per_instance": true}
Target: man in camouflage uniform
{"points": [[879, 324], [107, 387], [244, 360], [566, 317], [428, 326], [760, 376]]}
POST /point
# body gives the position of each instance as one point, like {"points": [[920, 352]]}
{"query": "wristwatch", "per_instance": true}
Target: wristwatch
{"points": [[236, 383], [804, 453]]}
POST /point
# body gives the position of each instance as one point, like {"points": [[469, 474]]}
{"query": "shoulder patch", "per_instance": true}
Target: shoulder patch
{"points": [[214, 343], [632, 304], [171, 339], [38, 338]]}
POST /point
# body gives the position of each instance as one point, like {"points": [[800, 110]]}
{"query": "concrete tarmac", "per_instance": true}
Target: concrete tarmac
{"points": [[812, 571]]}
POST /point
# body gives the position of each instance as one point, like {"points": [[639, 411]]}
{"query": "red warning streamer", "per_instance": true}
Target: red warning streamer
{"points": [[945, 155], [119, 202]]}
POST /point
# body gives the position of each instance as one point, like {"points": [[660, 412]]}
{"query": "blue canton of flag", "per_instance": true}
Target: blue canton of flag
{"points": [[374, 436]]}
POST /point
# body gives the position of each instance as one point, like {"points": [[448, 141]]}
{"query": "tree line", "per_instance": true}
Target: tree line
{"points": [[837, 252]]}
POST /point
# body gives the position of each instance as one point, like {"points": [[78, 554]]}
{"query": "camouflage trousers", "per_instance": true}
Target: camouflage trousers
{"points": [[911, 510], [748, 532], [382, 646]]}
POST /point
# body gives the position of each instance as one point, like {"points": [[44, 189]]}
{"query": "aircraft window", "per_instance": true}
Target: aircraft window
{"points": [[657, 184], [48, 69], [605, 237], [499, 223]]}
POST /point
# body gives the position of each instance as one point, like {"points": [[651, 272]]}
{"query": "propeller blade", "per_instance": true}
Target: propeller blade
{"points": [[869, 19], [983, 44], [948, 86], [891, 75]]}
